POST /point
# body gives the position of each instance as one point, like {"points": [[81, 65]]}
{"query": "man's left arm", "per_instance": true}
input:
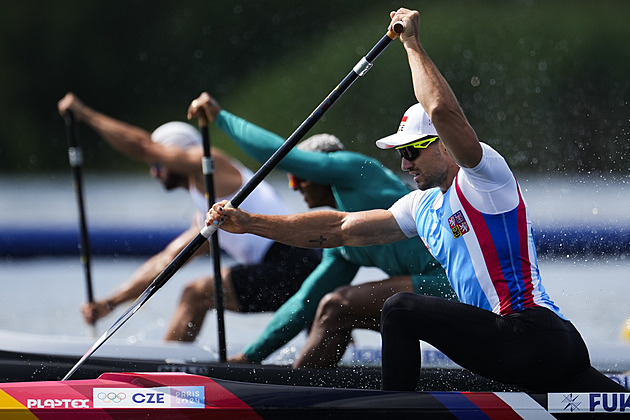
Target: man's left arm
{"points": [[316, 229]]}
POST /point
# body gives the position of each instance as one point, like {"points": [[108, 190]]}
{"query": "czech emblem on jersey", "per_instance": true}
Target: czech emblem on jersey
{"points": [[458, 224]]}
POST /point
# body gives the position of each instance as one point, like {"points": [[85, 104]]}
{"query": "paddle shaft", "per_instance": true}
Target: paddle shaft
{"points": [[75, 157], [208, 172], [359, 70]]}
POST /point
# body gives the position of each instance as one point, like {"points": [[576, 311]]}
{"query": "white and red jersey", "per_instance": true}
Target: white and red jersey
{"points": [[481, 233]]}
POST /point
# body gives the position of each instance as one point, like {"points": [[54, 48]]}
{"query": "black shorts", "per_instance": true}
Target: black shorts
{"points": [[266, 286]]}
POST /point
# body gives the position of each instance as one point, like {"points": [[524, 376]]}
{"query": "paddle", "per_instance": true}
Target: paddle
{"points": [[360, 69], [208, 172], [75, 156]]}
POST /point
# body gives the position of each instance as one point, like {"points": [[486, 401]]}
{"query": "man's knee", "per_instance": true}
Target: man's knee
{"points": [[398, 307], [400, 300], [198, 291], [331, 306]]}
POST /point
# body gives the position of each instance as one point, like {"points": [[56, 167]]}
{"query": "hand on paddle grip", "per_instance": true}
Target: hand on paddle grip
{"points": [[205, 108], [93, 311], [217, 216]]}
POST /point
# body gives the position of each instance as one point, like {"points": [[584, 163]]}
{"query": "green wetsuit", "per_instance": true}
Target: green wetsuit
{"points": [[358, 183]]}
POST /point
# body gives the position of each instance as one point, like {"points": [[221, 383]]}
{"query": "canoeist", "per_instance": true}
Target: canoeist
{"points": [[328, 175], [470, 212], [267, 272]]}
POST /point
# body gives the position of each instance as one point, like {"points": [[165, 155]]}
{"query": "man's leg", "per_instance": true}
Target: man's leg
{"points": [[533, 348], [196, 300], [400, 346], [474, 338], [341, 311]]}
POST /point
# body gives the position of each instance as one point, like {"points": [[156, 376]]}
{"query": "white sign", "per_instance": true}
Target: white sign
{"points": [[161, 397], [594, 402]]}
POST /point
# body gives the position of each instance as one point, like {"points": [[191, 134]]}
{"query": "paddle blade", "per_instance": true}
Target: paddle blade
{"points": [[119, 323]]}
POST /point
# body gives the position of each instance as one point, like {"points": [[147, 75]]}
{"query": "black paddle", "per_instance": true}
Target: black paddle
{"points": [[208, 172], [75, 156], [359, 69]]}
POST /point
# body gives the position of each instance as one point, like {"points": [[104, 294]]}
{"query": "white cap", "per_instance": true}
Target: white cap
{"points": [[415, 124], [176, 133], [321, 143]]}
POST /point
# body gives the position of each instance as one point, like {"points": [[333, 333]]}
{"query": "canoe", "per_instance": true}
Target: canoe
{"points": [[34, 357], [186, 396]]}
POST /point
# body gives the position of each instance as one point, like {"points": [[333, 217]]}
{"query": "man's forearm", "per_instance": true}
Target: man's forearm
{"points": [[139, 281], [151, 268], [437, 98], [318, 229]]}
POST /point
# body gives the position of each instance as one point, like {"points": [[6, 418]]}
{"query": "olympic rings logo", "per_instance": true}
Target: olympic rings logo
{"points": [[111, 397]]}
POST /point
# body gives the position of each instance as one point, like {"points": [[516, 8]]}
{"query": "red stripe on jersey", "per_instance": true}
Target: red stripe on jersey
{"points": [[489, 251], [526, 267]]}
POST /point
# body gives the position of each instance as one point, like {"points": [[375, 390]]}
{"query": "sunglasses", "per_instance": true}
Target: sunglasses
{"points": [[411, 151], [294, 181]]}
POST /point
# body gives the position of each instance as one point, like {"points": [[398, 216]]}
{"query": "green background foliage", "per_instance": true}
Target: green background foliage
{"points": [[544, 82]]}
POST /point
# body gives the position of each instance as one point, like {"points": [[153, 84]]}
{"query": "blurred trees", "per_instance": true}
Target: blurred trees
{"points": [[546, 83]]}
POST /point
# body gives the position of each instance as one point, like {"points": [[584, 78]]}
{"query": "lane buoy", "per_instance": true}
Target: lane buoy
{"points": [[625, 331]]}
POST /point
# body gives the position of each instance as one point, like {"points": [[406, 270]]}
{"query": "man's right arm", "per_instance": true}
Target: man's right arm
{"points": [[436, 96]]}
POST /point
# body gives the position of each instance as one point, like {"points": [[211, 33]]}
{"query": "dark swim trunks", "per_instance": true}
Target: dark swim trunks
{"points": [[266, 286]]}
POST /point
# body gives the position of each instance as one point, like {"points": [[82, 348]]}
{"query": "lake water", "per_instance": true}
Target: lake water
{"points": [[42, 294]]}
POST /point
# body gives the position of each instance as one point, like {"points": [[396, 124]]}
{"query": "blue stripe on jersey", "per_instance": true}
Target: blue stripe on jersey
{"points": [[503, 229]]}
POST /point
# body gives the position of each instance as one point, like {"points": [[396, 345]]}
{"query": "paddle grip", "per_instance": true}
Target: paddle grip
{"points": [[397, 29]]}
